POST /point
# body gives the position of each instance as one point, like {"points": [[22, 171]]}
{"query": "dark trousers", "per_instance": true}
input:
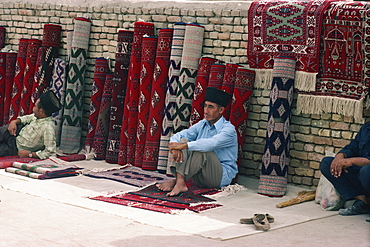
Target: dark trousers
{"points": [[8, 145], [349, 185]]}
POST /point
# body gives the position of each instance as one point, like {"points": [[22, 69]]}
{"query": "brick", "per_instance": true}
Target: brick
{"points": [[323, 140], [340, 143], [339, 126], [347, 135], [315, 165], [315, 156], [298, 154], [307, 181]]}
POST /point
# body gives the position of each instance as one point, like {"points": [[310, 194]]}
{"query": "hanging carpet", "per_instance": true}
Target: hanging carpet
{"points": [[2, 85], [228, 84], [216, 75], [2, 37], [342, 83], [11, 58], [285, 28]]}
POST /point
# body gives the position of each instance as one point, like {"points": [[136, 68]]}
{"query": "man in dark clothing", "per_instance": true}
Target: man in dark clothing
{"points": [[349, 172]]}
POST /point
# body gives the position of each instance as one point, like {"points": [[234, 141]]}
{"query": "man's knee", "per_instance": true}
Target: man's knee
{"points": [[325, 165], [364, 175]]}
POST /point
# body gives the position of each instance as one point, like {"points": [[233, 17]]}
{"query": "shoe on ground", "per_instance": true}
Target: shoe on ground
{"points": [[269, 217], [359, 207], [260, 222]]}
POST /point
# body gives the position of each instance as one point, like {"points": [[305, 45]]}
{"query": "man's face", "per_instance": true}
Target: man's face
{"points": [[36, 110], [212, 112]]}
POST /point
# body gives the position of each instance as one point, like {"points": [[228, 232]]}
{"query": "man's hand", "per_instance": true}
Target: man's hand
{"points": [[12, 128], [339, 165], [175, 149], [23, 153]]}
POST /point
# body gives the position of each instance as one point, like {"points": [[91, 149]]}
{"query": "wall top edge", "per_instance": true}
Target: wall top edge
{"points": [[233, 5]]}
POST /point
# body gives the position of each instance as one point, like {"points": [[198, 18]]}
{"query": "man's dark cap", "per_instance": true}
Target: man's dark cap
{"points": [[50, 101], [218, 96]]}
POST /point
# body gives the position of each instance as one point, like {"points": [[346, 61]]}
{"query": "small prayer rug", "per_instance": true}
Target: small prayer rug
{"points": [[123, 53], [100, 73], [73, 157], [130, 175], [7, 161], [11, 58], [276, 157], [201, 83], [228, 84], [342, 83], [102, 124], [149, 49], [157, 100], [130, 115], [192, 51], [152, 204], [170, 100], [28, 81], [285, 28], [216, 75], [18, 79], [242, 93]]}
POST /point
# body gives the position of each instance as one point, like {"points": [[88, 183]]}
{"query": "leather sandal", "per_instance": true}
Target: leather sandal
{"points": [[261, 223], [269, 217]]}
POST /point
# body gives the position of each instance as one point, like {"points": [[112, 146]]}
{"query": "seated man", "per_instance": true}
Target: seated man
{"points": [[349, 172], [207, 151], [32, 135]]}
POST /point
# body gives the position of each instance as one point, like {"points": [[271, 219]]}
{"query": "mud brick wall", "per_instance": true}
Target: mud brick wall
{"points": [[225, 38]]}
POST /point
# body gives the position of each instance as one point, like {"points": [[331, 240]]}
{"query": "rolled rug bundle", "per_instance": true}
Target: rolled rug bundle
{"points": [[50, 50], [216, 75], [2, 85], [31, 59], [201, 83], [228, 84], [157, 100], [129, 120], [58, 86], [240, 104], [100, 73], [276, 156], [73, 105], [11, 58], [18, 79], [123, 53], [2, 37], [149, 49], [102, 123], [192, 51], [170, 100]]}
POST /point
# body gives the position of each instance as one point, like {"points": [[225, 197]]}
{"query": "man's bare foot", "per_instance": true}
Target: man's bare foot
{"points": [[167, 186], [179, 188]]}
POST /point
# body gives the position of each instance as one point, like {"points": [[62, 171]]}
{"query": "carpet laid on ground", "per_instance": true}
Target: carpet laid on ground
{"points": [[220, 223], [7, 161], [129, 174]]}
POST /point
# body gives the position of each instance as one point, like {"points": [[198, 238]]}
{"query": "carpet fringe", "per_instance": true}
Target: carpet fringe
{"points": [[305, 81], [311, 104], [263, 78], [227, 191]]}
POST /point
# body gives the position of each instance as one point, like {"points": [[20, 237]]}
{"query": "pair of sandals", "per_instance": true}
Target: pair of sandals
{"points": [[260, 221]]}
